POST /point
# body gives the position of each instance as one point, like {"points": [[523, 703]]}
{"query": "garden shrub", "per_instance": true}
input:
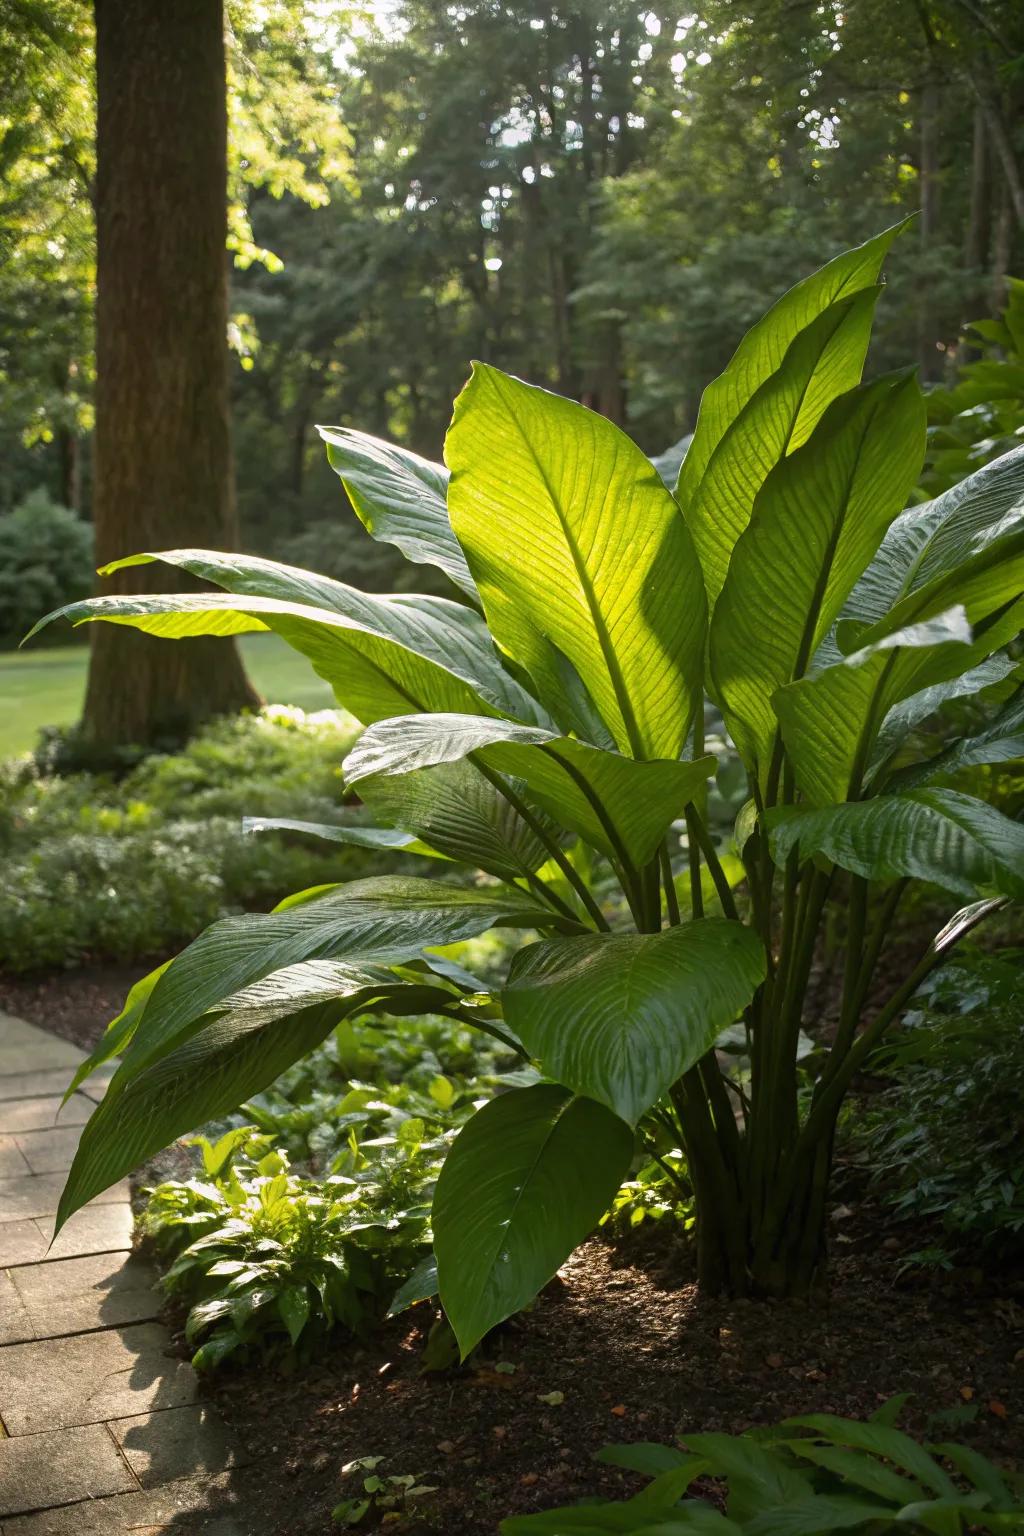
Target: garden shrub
{"points": [[269, 1258], [548, 732], [945, 1141], [45, 559], [98, 868], [808, 1476]]}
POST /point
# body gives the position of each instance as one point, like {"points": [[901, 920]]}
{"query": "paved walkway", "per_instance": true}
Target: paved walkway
{"points": [[101, 1430]]}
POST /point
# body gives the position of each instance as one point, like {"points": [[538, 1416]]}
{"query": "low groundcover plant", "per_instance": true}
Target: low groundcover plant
{"points": [[547, 728]]}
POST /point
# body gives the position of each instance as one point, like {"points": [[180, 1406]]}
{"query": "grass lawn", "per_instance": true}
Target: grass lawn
{"points": [[46, 686]]}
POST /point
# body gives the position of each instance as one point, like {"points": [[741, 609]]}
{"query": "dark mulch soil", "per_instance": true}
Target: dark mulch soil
{"points": [[638, 1355], [77, 1005], [623, 1335]]}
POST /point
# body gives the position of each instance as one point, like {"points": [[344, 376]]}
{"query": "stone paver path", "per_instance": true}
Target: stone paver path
{"points": [[101, 1430]]}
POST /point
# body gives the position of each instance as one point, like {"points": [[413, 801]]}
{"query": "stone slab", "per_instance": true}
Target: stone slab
{"points": [[51, 1151], [35, 1085], [38, 1194], [15, 1323], [175, 1443], [17, 1115], [107, 1290], [164, 1512], [12, 1164], [25, 1048], [97, 1228], [40, 1470], [91, 1377]]}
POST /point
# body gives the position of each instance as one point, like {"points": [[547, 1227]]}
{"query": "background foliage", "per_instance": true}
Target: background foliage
{"points": [[597, 195]]}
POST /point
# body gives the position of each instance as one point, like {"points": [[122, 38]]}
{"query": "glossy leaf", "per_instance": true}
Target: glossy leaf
{"points": [[525, 1181], [1001, 741], [933, 539], [215, 1068], [816, 522], [939, 835], [765, 345], [445, 632], [458, 812], [400, 498], [830, 721], [823, 361], [382, 921], [615, 803], [620, 1017], [575, 544]]}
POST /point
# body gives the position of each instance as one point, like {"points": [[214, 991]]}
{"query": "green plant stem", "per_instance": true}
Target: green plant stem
{"points": [[554, 901], [630, 878], [541, 833], [820, 1122], [671, 898], [707, 848]]}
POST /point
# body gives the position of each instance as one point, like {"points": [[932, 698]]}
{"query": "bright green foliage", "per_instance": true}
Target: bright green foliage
{"points": [[559, 749], [270, 1261], [807, 1476], [103, 869], [982, 416], [942, 1141], [45, 558]]}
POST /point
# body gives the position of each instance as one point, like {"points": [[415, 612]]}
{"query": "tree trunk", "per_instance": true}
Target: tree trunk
{"points": [[928, 128], [976, 243], [163, 471]]}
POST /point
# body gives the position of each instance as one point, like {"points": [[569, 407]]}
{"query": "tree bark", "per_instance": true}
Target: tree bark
{"points": [[163, 469], [976, 243]]}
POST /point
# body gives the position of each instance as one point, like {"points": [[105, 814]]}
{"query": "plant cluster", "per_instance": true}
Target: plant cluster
{"points": [[45, 558], [270, 1262], [548, 732], [807, 1476], [103, 868], [944, 1140], [982, 416], [270, 1257]]}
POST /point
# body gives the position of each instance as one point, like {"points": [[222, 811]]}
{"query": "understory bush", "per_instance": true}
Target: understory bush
{"points": [[317, 1214], [810, 1475], [945, 1142], [548, 732], [98, 868], [45, 558]]}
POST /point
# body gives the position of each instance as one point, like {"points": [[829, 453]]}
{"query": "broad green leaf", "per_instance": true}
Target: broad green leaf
{"points": [[458, 811], [648, 1457], [382, 921], [830, 721], [880, 1440], [400, 498], [939, 835], [816, 522], [815, 1514], [823, 361], [905, 716], [933, 539], [859, 1469], [757, 1478], [576, 545], [360, 834], [620, 1017], [421, 1285], [620, 805], [447, 634], [215, 1068], [525, 1181], [371, 676], [1001, 741], [765, 345]]}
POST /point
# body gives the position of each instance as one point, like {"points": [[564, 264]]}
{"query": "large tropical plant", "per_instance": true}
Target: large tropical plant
{"points": [[547, 731]]}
